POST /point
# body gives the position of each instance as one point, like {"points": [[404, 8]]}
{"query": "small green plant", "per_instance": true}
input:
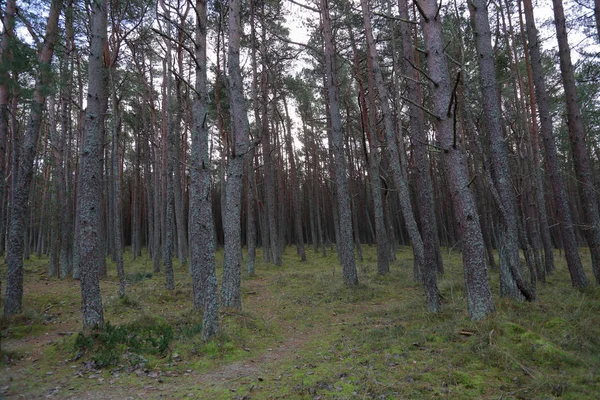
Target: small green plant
{"points": [[138, 276], [108, 346]]}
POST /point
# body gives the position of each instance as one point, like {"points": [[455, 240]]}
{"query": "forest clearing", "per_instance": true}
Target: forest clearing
{"points": [[303, 334]]}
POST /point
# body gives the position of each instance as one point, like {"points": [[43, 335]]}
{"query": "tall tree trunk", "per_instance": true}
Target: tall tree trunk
{"points": [[369, 123], [295, 186], [202, 250], [540, 198], [268, 163], [88, 241], [24, 171], [116, 201], [55, 161], [577, 134], [345, 245], [136, 201], [479, 296], [426, 205], [168, 177], [511, 279], [428, 271], [65, 194], [178, 187], [5, 57], [578, 277], [230, 294], [251, 212]]}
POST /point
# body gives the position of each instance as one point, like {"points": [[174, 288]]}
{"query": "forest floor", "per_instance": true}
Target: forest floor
{"points": [[302, 334]]}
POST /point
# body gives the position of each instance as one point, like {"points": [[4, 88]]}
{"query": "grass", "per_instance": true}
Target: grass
{"points": [[303, 334]]}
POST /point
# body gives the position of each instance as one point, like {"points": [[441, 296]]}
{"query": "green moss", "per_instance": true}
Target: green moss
{"points": [[511, 329]]}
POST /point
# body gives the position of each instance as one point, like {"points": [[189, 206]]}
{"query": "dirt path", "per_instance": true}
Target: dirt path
{"points": [[228, 377]]}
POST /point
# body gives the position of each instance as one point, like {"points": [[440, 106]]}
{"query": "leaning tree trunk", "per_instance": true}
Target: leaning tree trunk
{"points": [[511, 279], [24, 171], [428, 272], [345, 243], [577, 135], [431, 262], [426, 204], [479, 296], [202, 249], [230, 290], [88, 241], [369, 124], [578, 277]]}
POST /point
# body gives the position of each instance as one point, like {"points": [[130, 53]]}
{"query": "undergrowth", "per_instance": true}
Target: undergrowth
{"points": [[376, 340]]}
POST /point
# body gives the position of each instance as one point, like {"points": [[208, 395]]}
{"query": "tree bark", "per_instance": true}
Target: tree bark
{"points": [[432, 261], [116, 201], [578, 277], [399, 175], [369, 122], [268, 164], [65, 193], [511, 279], [202, 250], [345, 245], [88, 241], [581, 158], [295, 185], [479, 296], [230, 290], [24, 171], [5, 58]]}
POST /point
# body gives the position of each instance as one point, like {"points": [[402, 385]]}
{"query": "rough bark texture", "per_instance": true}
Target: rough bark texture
{"points": [[268, 167], [251, 236], [230, 290], [116, 202], [345, 245], [431, 248], [511, 279], [399, 175], [369, 121], [24, 171], [178, 160], [55, 161], [88, 241], [65, 193], [251, 213], [535, 146], [202, 249], [578, 277], [5, 58], [295, 186], [581, 159], [479, 296], [169, 196]]}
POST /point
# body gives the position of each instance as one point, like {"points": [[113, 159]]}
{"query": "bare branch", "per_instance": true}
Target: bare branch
{"points": [[304, 6], [421, 107]]}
